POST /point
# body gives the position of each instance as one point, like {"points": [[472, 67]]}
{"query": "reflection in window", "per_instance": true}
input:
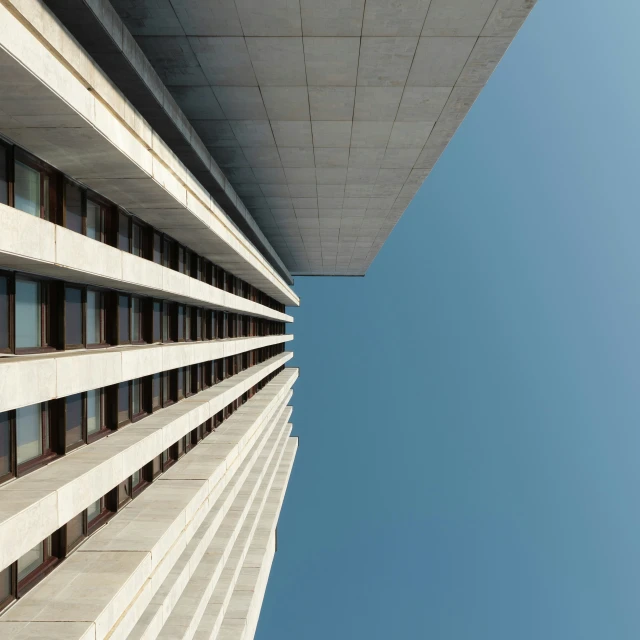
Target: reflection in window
{"points": [[28, 314], [123, 319], [94, 310], [94, 221], [30, 561], [136, 315], [26, 189], [29, 432], [75, 531], [73, 207], [123, 232], [73, 427], [123, 402], [94, 413], [94, 510]]}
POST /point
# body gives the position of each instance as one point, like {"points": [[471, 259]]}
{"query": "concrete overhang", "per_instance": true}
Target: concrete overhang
{"points": [[325, 115], [58, 104]]}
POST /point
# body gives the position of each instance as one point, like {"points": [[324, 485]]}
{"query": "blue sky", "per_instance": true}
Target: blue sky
{"points": [[469, 412]]}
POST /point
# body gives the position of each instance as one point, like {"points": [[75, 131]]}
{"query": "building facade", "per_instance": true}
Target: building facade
{"points": [[165, 167]]}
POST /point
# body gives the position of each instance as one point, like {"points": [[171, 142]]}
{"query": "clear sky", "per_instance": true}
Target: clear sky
{"points": [[469, 412]]}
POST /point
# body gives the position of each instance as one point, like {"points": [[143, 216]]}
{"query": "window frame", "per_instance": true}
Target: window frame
{"points": [[52, 212]]}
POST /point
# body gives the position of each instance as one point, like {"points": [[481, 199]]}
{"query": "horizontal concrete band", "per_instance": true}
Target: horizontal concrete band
{"points": [[63, 373], [31, 244], [234, 609], [157, 542], [58, 104], [33, 507]]}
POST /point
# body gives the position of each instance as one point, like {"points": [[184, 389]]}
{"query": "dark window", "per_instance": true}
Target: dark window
{"points": [[75, 532], [137, 239], [137, 399], [168, 251], [73, 207], [73, 317], [124, 492], [167, 397], [123, 404], [188, 327], [156, 323], [181, 317], [29, 314], [181, 393], [123, 232], [4, 311], [95, 412], [156, 467], [167, 329], [73, 420], [4, 199], [157, 247], [136, 319], [6, 466], [124, 334]]}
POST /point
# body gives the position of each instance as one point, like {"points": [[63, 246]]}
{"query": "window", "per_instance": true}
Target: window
{"points": [[5, 344], [73, 410], [32, 433], [157, 247], [6, 465], [4, 199], [136, 319], [168, 253], [75, 532], [94, 317], [167, 397], [137, 239], [73, 207], [138, 481], [137, 399], [95, 413], [156, 321], [124, 332], [180, 373], [73, 317], [123, 404], [95, 221], [181, 317], [156, 391], [27, 191], [29, 325], [97, 513], [123, 242], [188, 323], [123, 493]]}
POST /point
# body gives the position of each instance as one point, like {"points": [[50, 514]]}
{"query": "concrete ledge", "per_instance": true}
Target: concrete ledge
{"points": [[80, 123], [63, 373], [31, 244], [33, 507]]}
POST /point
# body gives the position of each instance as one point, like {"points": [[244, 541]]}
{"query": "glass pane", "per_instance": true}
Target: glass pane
{"points": [[75, 531], [135, 478], [5, 574], [136, 315], [137, 240], [124, 492], [94, 510], [123, 319], [73, 425], [166, 391], [180, 383], [27, 189], [94, 309], [73, 315], [157, 248], [73, 207], [29, 432], [189, 315], [181, 322], [155, 390], [30, 561], [27, 302], [166, 254], [123, 402], [94, 414], [166, 322], [4, 310], [123, 232], [4, 196], [94, 221], [5, 443], [136, 400], [157, 312]]}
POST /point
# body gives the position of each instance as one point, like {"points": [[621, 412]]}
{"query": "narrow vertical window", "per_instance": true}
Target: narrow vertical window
{"points": [[137, 239], [26, 189], [75, 531], [5, 447], [94, 412], [29, 433], [137, 401], [73, 420], [180, 383], [181, 315], [4, 311], [30, 561], [94, 220], [28, 324], [73, 317], [156, 394], [123, 232], [136, 319], [4, 196], [123, 403], [94, 317], [157, 247], [73, 207], [166, 322], [124, 332], [156, 321]]}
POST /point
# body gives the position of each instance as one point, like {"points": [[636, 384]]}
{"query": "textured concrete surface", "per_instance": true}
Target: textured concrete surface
{"points": [[325, 115]]}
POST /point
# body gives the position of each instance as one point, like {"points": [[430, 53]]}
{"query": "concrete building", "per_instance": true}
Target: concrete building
{"points": [[166, 168]]}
